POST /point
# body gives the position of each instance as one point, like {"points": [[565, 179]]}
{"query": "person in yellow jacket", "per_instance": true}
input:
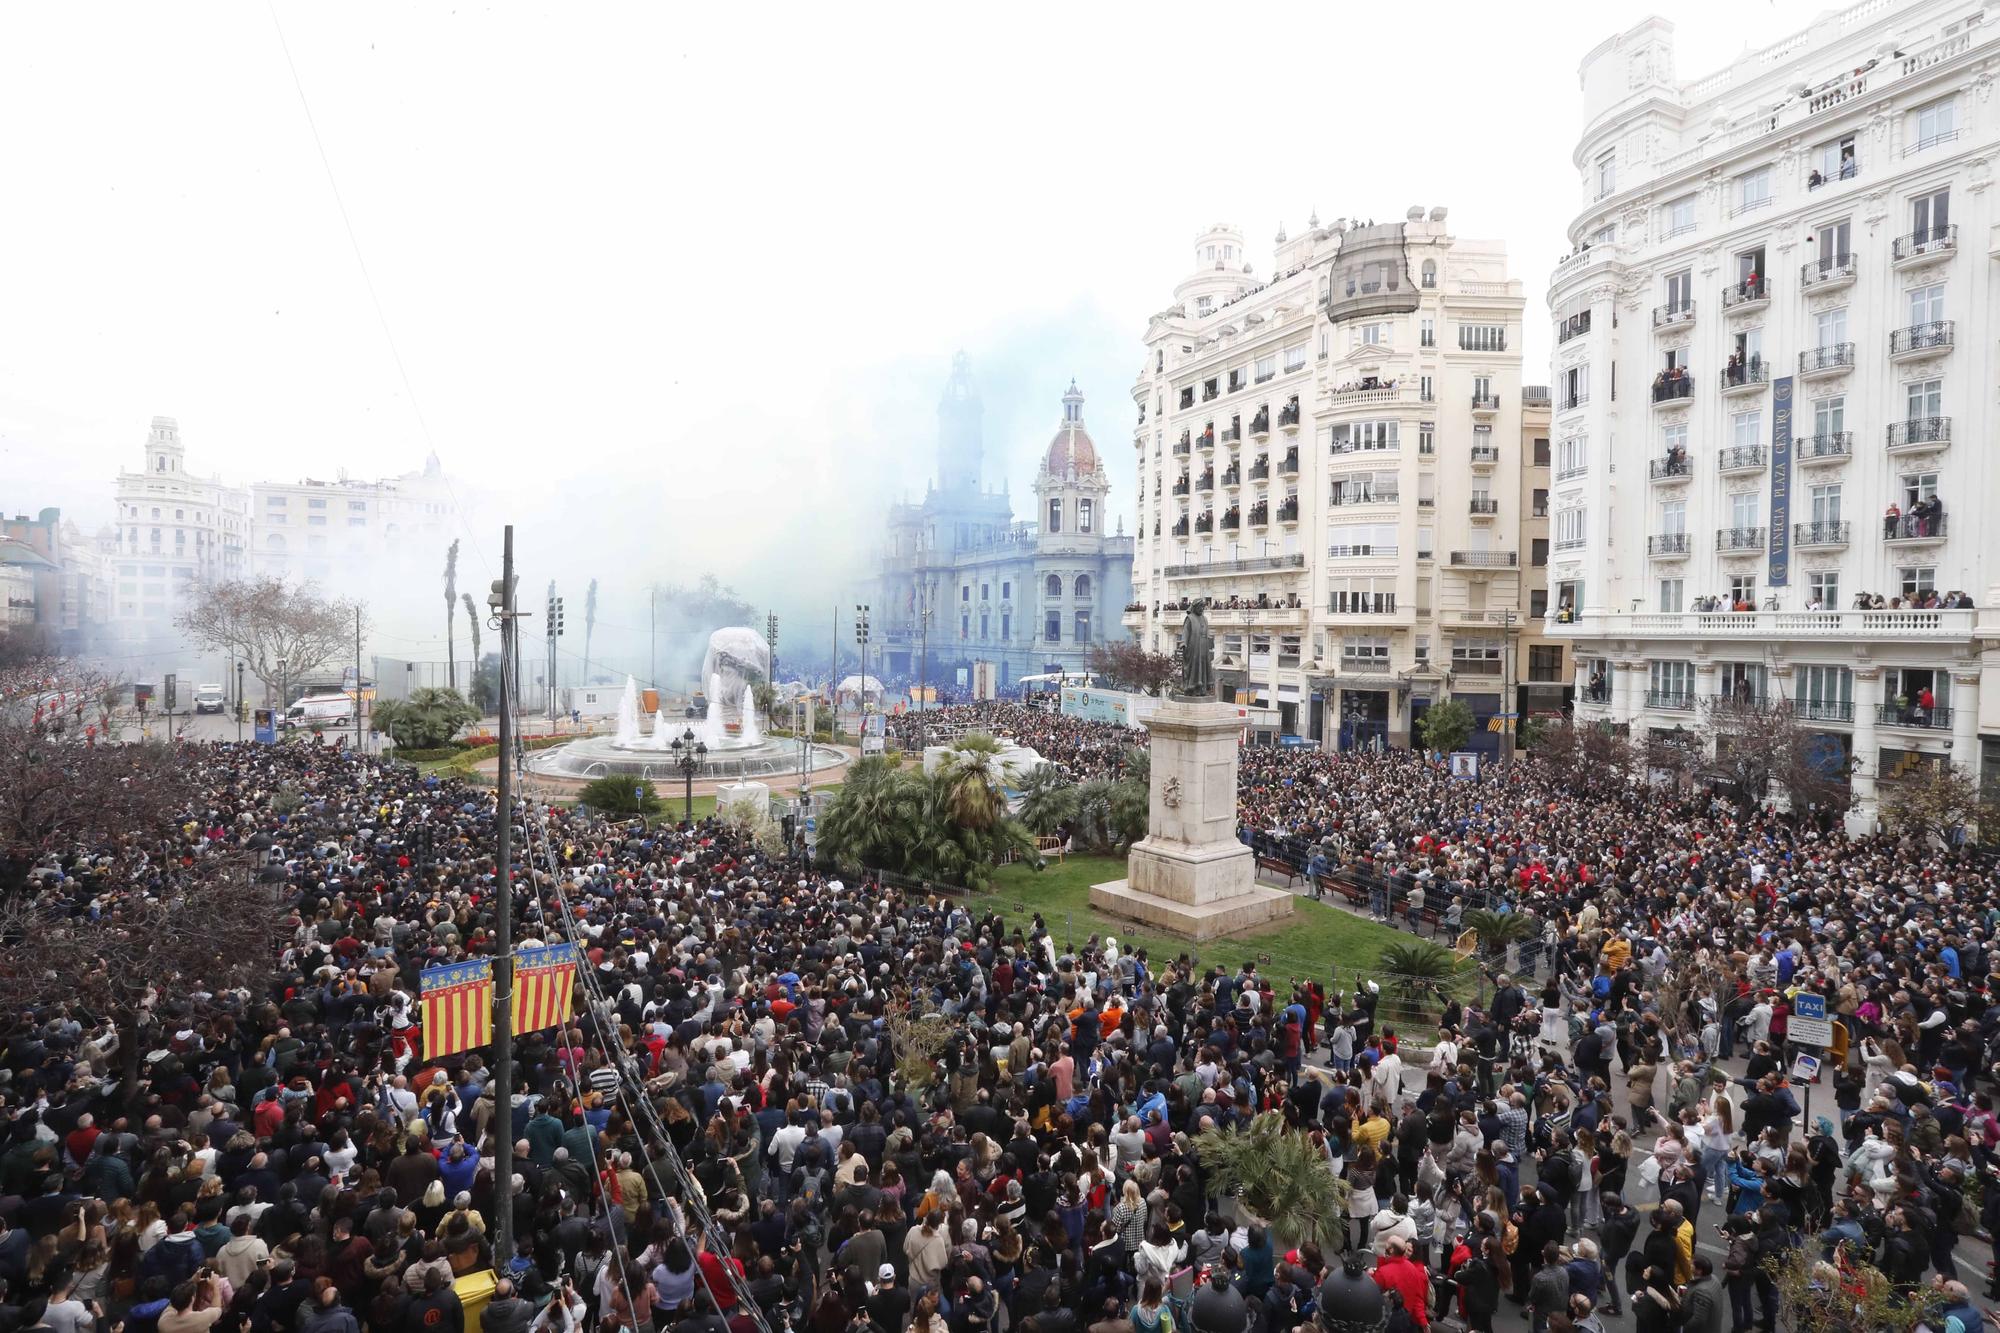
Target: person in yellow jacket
{"points": [[1617, 953]]}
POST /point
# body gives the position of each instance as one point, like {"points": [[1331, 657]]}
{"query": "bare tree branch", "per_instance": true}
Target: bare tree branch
{"points": [[266, 620]]}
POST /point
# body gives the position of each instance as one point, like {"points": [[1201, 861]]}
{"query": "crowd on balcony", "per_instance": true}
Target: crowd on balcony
{"points": [[730, 1135], [1926, 600], [1925, 518], [1670, 381], [1365, 383]]}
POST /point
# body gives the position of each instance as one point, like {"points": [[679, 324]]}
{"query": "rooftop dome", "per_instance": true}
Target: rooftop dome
{"points": [[1071, 448]]}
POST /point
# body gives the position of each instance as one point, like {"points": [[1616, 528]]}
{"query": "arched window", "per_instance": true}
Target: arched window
{"points": [[160, 463], [1082, 586], [1430, 273], [1055, 516], [1052, 587], [1084, 515]]}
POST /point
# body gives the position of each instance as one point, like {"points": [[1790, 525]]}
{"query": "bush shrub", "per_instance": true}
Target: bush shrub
{"points": [[620, 796]]}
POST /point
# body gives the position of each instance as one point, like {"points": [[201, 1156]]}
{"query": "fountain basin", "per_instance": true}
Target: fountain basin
{"points": [[591, 757]]}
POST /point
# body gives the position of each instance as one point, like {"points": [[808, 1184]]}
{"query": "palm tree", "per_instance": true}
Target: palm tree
{"points": [[973, 782], [472, 692], [1282, 1176], [1497, 930], [1048, 800], [450, 612], [1418, 968], [429, 718], [876, 817]]}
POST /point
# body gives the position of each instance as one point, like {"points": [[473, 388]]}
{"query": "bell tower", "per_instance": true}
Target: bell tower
{"points": [[960, 447]]}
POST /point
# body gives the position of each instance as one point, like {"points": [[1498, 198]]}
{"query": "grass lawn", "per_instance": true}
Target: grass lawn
{"points": [[1315, 936]]}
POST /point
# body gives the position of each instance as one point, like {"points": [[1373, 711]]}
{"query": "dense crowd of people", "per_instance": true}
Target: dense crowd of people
{"points": [[793, 1097]]}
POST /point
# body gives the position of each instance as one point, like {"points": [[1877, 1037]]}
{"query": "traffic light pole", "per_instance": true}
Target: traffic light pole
{"points": [[501, 600]]}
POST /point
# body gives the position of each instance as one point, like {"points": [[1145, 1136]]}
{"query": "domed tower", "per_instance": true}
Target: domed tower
{"points": [[960, 449], [1071, 484]]}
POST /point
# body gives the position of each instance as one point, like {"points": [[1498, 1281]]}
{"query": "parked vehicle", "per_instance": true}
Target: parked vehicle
{"points": [[210, 699]]}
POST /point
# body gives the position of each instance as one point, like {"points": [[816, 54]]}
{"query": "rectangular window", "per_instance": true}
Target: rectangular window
{"points": [[1539, 552], [1673, 520], [1670, 596], [1426, 438], [1753, 189], [315, 503], [1833, 243], [1917, 580], [1831, 327], [1918, 487], [1933, 124], [1927, 304], [1541, 454], [1823, 590], [1053, 627], [1744, 507], [1680, 290], [965, 593], [357, 522], [1670, 682], [1923, 398], [1295, 357], [1834, 160], [1743, 590], [1825, 691], [1266, 368], [1482, 337], [1364, 651], [1006, 624], [1572, 456], [1607, 174], [1930, 216], [1830, 415], [1825, 504], [1083, 627], [1539, 502], [1428, 332], [1746, 429], [1351, 539], [1363, 437], [1372, 335], [1677, 216], [1006, 589], [1570, 528]]}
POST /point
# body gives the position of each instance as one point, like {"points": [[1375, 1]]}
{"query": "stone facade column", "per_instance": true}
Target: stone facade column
{"points": [[1965, 720], [1867, 700], [1630, 693]]}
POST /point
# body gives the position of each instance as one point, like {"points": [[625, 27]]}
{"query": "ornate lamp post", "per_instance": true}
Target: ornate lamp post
{"points": [[688, 754]]}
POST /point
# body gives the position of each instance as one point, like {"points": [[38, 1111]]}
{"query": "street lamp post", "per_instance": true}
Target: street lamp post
{"points": [[239, 701], [283, 703], [688, 754]]}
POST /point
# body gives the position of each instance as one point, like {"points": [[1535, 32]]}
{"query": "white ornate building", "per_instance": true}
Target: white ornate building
{"points": [[1333, 456], [175, 531], [1029, 598], [1774, 379]]}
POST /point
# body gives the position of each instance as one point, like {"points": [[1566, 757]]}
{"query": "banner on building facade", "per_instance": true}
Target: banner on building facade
{"points": [[1781, 483]]}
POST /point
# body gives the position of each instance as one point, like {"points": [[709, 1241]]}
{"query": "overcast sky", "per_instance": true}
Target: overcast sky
{"points": [[677, 286]]}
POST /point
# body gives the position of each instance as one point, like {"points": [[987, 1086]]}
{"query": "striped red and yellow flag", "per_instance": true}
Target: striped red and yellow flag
{"points": [[458, 1007], [544, 980]]}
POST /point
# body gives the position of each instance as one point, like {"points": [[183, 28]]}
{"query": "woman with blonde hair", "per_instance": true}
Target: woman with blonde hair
{"points": [[1129, 1217]]}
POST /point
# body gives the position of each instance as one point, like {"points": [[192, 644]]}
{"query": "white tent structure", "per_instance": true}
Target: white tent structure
{"points": [[858, 687]]}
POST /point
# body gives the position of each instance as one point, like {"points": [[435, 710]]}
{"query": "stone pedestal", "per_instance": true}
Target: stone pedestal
{"points": [[1189, 874]]}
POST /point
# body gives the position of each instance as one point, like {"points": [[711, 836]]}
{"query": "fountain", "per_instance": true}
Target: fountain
{"points": [[736, 746]]}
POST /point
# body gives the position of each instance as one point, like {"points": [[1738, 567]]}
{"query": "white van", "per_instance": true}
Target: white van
{"points": [[321, 710], [210, 699]]}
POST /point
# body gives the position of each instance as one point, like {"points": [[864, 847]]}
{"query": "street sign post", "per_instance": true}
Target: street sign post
{"points": [[1809, 1025]]}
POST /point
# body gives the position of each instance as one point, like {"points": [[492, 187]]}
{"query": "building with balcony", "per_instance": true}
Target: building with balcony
{"points": [[963, 582], [317, 530], [174, 533], [1368, 396], [1777, 285]]}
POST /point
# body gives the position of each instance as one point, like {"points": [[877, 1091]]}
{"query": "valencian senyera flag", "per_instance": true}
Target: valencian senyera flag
{"points": [[543, 981], [458, 1007]]}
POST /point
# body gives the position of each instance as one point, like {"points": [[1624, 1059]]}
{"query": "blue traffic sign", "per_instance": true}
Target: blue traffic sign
{"points": [[1809, 1006]]}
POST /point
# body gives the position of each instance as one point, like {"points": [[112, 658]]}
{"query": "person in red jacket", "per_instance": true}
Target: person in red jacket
{"points": [[1396, 1272]]}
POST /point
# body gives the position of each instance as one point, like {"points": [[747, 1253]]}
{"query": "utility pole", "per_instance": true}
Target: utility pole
{"points": [[833, 682], [861, 646], [359, 745], [1507, 719], [923, 659], [555, 629], [501, 600]]}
